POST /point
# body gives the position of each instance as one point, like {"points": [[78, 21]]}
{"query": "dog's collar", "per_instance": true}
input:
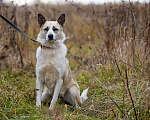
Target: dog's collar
{"points": [[46, 47]]}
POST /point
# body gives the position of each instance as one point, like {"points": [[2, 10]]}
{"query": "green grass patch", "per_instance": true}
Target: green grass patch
{"points": [[108, 96]]}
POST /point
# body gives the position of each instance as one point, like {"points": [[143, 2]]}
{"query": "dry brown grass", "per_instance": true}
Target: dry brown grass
{"points": [[119, 31]]}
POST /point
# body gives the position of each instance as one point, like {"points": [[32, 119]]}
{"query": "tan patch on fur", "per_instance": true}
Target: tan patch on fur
{"points": [[68, 81]]}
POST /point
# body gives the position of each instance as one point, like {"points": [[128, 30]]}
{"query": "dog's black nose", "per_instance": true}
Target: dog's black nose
{"points": [[50, 36]]}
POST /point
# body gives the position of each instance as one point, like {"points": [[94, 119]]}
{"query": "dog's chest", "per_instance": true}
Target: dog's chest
{"points": [[49, 58], [50, 65]]}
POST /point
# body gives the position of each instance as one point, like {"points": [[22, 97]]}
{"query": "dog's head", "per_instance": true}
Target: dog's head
{"points": [[51, 32]]}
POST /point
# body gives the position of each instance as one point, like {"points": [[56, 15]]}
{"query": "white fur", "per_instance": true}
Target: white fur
{"points": [[84, 95], [53, 71]]}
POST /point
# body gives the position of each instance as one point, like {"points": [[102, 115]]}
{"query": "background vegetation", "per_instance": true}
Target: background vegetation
{"points": [[108, 49]]}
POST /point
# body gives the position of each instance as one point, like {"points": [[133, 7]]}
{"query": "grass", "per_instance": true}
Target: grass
{"points": [[108, 95]]}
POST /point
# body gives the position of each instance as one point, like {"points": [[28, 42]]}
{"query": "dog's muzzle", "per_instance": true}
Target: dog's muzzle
{"points": [[50, 37]]}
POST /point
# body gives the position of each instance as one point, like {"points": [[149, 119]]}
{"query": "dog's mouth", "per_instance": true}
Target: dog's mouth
{"points": [[51, 40]]}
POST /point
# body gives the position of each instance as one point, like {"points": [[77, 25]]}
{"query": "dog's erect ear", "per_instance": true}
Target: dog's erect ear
{"points": [[61, 20], [41, 20]]}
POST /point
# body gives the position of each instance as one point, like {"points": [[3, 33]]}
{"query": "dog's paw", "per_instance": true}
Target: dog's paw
{"points": [[51, 108]]}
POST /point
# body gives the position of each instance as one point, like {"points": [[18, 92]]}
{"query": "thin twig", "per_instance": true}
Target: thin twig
{"points": [[122, 81], [114, 113], [119, 71], [117, 106], [130, 93]]}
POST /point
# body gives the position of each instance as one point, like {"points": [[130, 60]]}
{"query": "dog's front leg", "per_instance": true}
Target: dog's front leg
{"points": [[39, 88], [56, 93]]}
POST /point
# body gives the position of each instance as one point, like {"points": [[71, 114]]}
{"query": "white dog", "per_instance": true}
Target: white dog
{"points": [[52, 68]]}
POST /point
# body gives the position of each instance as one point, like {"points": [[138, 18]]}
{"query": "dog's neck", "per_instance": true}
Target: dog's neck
{"points": [[50, 47]]}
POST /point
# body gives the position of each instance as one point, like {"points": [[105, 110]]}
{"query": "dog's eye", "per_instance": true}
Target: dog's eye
{"points": [[55, 29], [46, 29]]}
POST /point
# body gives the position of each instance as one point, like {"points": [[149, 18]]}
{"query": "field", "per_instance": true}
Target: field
{"points": [[108, 50]]}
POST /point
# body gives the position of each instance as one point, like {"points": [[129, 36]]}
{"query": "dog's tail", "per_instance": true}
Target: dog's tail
{"points": [[84, 95]]}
